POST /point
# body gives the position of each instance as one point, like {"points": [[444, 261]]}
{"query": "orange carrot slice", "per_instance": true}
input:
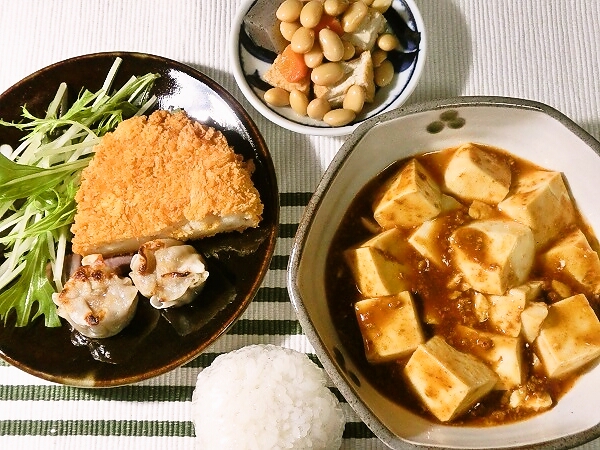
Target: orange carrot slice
{"points": [[292, 65], [331, 22]]}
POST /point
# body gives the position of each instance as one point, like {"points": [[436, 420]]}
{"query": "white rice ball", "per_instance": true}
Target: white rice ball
{"points": [[265, 397]]}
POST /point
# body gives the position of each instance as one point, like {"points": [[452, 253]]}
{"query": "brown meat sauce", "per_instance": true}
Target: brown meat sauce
{"points": [[441, 303]]}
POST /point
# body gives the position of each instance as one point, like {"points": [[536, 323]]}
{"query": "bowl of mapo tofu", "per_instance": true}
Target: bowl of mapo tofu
{"points": [[446, 271]]}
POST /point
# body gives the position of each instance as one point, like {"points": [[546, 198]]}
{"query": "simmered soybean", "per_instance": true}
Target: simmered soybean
{"points": [[327, 74], [317, 108], [387, 42], [288, 29], [339, 117], [277, 97], [311, 14], [349, 51], [314, 57], [298, 102], [384, 73], [335, 7], [331, 44], [289, 10], [378, 56], [354, 99], [320, 31], [303, 40], [353, 16]]}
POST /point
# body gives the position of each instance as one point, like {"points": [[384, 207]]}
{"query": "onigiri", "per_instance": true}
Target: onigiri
{"points": [[265, 397]]}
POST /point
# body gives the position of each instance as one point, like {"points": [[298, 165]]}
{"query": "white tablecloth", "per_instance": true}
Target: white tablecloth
{"points": [[543, 50]]}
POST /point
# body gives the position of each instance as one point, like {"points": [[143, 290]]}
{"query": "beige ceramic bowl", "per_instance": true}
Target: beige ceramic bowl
{"points": [[527, 129]]}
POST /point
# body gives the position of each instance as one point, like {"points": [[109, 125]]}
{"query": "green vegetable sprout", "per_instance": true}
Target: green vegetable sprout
{"points": [[38, 183]]}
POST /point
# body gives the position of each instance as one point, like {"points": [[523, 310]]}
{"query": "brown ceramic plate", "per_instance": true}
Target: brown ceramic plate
{"points": [[156, 341]]}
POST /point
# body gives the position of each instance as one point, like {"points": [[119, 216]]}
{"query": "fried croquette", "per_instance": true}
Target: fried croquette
{"points": [[162, 176]]}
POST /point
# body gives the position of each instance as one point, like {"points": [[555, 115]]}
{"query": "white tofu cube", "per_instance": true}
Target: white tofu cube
{"points": [[389, 326], [561, 289], [370, 225], [493, 255], [358, 71], [480, 210], [448, 382], [481, 307], [569, 337], [531, 320], [474, 173], [375, 273], [426, 240], [574, 258], [541, 201], [525, 399], [431, 316], [458, 283], [364, 37], [376, 267], [505, 312], [449, 203], [409, 199], [503, 354], [530, 291], [391, 242]]}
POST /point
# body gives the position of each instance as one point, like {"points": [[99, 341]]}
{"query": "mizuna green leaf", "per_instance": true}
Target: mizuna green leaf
{"points": [[38, 183]]}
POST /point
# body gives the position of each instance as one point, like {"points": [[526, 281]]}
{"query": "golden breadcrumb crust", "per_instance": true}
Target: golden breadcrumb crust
{"points": [[154, 175]]}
